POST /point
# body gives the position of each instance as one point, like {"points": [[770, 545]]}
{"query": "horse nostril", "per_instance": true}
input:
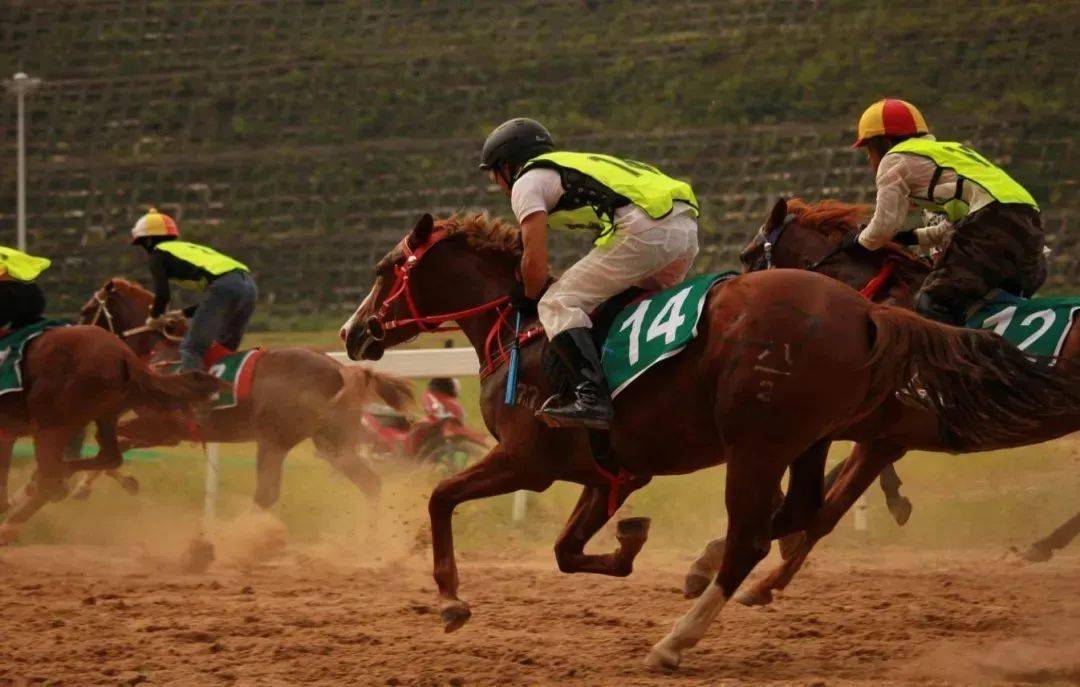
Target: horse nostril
{"points": [[375, 329]]}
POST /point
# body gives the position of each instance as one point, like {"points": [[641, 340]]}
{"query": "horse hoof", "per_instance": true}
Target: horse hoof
{"points": [[754, 597], [636, 529], [900, 508], [129, 484], [454, 615], [1036, 553], [661, 658], [695, 585], [198, 557]]}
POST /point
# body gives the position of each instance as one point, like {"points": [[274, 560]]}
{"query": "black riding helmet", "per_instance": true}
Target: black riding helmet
{"points": [[516, 141]]}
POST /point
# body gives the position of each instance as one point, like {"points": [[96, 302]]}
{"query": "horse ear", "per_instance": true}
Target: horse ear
{"points": [[110, 286], [777, 214], [422, 231]]}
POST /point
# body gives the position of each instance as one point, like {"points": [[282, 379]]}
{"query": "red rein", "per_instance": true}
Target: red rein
{"points": [[874, 286], [495, 352]]}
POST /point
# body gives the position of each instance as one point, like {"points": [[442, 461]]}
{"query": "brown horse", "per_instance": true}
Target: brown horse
{"points": [[801, 235], [75, 376], [296, 394], [755, 389]]}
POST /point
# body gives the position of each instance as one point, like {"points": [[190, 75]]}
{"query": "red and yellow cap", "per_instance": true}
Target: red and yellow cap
{"points": [[154, 223], [890, 117]]}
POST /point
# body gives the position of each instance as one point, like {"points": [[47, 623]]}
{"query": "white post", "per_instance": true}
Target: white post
{"points": [[20, 85], [860, 514], [210, 499], [520, 503]]}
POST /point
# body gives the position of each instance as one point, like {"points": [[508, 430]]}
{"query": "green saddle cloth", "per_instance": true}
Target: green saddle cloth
{"points": [[1038, 326], [654, 329], [12, 349]]}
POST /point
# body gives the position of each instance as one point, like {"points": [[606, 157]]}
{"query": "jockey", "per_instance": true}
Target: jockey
{"points": [[22, 301], [646, 229], [991, 235], [230, 291]]}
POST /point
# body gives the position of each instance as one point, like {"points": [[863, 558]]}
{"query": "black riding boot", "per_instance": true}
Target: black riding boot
{"points": [[591, 404]]}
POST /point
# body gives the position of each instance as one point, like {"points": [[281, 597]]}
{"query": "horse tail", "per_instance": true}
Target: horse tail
{"points": [[167, 391], [984, 391], [360, 385]]}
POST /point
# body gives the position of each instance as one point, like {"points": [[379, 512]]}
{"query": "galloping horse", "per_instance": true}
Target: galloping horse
{"points": [[800, 235], [74, 376], [296, 393], [757, 389]]}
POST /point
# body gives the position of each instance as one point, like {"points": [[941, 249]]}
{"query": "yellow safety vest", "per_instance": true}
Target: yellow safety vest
{"points": [[18, 266], [595, 185], [204, 258], [967, 164]]}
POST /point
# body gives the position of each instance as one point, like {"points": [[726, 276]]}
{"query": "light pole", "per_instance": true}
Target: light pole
{"points": [[20, 85]]}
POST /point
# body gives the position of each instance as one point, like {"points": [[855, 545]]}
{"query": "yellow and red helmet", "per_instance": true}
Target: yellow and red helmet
{"points": [[154, 223], [890, 117]]}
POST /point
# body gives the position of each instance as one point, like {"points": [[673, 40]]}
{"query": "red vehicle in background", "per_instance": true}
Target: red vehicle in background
{"points": [[440, 437]]}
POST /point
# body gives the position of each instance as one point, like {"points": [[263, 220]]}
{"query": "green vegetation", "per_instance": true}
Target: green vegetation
{"points": [[305, 137]]}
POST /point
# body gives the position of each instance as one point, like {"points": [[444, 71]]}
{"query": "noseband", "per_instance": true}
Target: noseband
{"points": [[770, 239], [378, 325]]}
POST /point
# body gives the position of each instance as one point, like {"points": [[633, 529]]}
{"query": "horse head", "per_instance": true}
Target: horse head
{"points": [[440, 272]]}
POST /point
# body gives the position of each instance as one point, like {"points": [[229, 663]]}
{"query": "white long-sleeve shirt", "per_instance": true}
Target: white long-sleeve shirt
{"points": [[902, 176]]}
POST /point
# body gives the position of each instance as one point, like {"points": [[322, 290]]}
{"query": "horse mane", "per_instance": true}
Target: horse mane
{"points": [[483, 232], [130, 289], [828, 217]]}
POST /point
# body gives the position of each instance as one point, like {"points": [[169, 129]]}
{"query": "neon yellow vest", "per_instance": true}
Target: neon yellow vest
{"points": [[18, 266], [967, 164], [596, 185], [202, 257]]}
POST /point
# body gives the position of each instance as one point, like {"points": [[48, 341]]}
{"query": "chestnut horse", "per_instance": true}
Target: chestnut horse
{"points": [[75, 376], [296, 393], [755, 389], [801, 235]]}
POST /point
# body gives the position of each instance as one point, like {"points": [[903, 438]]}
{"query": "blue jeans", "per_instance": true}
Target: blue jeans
{"points": [[222, 316]]}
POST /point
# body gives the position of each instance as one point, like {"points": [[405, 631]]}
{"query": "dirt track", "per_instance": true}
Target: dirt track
{"points": [[107, 616]]}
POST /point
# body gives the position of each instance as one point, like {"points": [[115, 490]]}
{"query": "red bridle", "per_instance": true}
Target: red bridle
{"points": [[495, 353], [426, 323]]}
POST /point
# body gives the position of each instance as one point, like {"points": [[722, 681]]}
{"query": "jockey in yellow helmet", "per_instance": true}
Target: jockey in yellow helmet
{"points": [[991, 236], [22, 301], [223, 314]]}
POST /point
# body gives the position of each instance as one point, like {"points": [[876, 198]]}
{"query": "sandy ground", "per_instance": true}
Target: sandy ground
{"points": [[96, 615]]}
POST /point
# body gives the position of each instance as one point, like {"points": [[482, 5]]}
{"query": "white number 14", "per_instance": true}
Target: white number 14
{"points": [[665, 324]]}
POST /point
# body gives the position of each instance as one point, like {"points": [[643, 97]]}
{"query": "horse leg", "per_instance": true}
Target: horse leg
{"points": [[899, 505], [85, 486], [1042, 550], [268, 459], [346, 459], [751, 486], [590, 514], [794, 512], [47, 483], [495, 474], [805, 491], [860, 471], [7, 448]]}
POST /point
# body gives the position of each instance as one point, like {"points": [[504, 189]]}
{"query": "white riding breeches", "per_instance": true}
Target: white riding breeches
{"points": [[651, 254]]}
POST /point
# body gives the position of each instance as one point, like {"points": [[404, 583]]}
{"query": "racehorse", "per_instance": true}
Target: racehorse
{"points": [[74, 376], [295, 394], [800, 235], [757, 389]]}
